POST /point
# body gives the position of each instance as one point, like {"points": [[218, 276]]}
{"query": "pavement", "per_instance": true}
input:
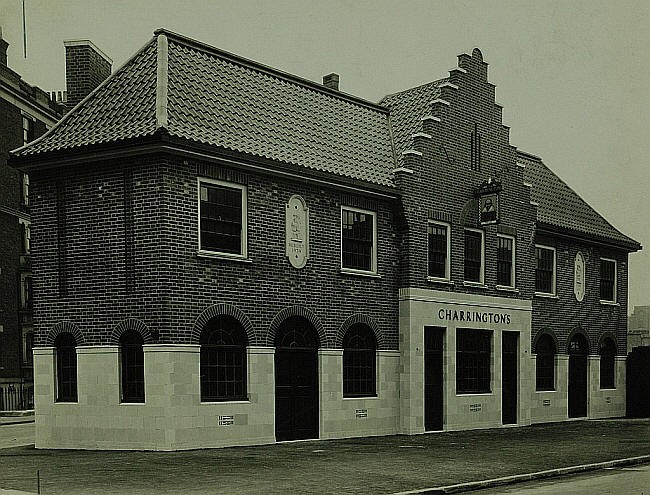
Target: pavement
{"points": [[447, 462]]}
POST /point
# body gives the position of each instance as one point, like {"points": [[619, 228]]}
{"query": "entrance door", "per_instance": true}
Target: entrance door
{"points": [[578, 377], [509, 377], [433, 378], [296, 380]]}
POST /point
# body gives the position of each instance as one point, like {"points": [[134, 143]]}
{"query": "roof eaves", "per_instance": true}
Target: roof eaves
{"points": [[80, 104], [550, 228], [251, 64]]}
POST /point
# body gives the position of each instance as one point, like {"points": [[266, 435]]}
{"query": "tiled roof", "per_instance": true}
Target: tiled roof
{"points": [[406, 111], [222, 100], [560, 206]]}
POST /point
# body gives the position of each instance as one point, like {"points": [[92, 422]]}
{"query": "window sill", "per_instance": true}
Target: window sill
{"points": [[223, 256], [225, 402], [608, 303], [362, 397], [66, 402], [506, 288], [546, 295], [132, 403], [545, 391], [359, 273], [473, 394], [437, 280], [477, 285], [608, 388]]}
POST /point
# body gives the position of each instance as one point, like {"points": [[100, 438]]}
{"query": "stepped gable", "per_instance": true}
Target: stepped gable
{"points": [[203, 95], [561, 207]]}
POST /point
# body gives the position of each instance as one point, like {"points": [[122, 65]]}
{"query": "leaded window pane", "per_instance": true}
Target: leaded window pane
{"points": [[607, 280], [358, 237], [544, 270], [132, 357], [437, 251], [473, 255], [504, 261], [545, 363], [359, 362], [221, 218], [473, 354], [66, 368]]}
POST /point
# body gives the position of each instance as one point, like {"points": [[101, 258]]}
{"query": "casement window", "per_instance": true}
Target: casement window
{"points": [[607, 280], [66, 367], [359, 362], [24, 190], [223, 217], [439, 245], [132, 362], [26, 235], [474, 256], [223, 360], [358, 240], [28, 129], [545, 363], [607, 363], [545, 270], [473, 355], [505, 261]]}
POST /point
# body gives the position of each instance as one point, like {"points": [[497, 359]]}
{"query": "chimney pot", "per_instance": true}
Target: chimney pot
{"points": [[331, 81]]}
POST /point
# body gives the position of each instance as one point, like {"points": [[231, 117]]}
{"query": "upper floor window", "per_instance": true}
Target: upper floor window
{"points": [[473, 355], [505, 261], [607, 280], [223, 216], [26, 299], [607, 363], [358, 240], [474, 255], [438, 261], [28, 354], [28, 129], [359, 362], [545, 270], [25, 227], [24, 190]]}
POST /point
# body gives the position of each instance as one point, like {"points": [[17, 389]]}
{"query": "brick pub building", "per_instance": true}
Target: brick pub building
{"points": [[226, 254]]}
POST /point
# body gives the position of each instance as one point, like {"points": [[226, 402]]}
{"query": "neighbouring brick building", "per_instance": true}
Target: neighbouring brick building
{"points": [[226, 254]]}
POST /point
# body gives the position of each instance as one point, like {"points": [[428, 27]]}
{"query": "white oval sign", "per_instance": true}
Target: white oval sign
{"points": [[297, 231], [579, 277]]}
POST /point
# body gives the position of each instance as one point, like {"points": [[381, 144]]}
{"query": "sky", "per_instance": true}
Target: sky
{"points": [[573, 76]]}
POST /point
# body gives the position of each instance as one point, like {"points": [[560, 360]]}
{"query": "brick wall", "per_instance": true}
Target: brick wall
{"points": [[172, 285]]}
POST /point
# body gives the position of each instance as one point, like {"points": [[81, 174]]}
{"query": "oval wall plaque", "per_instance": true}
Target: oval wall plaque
{"points": [[297, 231], [579, 277]]}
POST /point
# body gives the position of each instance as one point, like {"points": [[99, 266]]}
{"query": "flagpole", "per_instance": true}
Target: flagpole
{"points": [[24, 33]]}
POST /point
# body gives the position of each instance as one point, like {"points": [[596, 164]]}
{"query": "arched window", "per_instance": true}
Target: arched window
{"points": [[607, 364], [66, 367], [132, 360], [223, 360], [359, 362], [545, 351]]}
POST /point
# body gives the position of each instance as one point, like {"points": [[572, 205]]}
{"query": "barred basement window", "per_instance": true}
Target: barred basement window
{"points": [[545, 270], [223, 360], [607, 280], [505, 261], [132, 360], [473, 256], [438, 236], [66, 367], [223, 218], [473, 354], [545, 363], [358, 240], [359, 362], [607, 364]]}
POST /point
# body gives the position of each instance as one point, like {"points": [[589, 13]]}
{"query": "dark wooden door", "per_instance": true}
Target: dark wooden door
{"points": [[296, 381], [509, 377], [578, 377], [433, 378]]}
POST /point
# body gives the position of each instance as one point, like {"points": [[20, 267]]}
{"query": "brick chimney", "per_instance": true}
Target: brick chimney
{"points": [[86, 66], [331, 81], [3, 49]]}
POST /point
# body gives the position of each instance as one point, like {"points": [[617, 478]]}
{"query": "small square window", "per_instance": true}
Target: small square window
{"points": [[607, 280], [545, 270], [438, 253], [358, 240], [222, 208], [505, 261], [474, 256]]}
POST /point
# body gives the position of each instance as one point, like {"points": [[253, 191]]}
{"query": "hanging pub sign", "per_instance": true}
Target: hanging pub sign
{"points": [[297, 231], [488, 202]]}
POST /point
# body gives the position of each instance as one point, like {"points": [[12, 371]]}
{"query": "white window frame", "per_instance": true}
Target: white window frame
{"points": [[243, 254], [481, 281], [447, 276], [554, 278], [513, 278], [373, 260], [615, 294]]}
